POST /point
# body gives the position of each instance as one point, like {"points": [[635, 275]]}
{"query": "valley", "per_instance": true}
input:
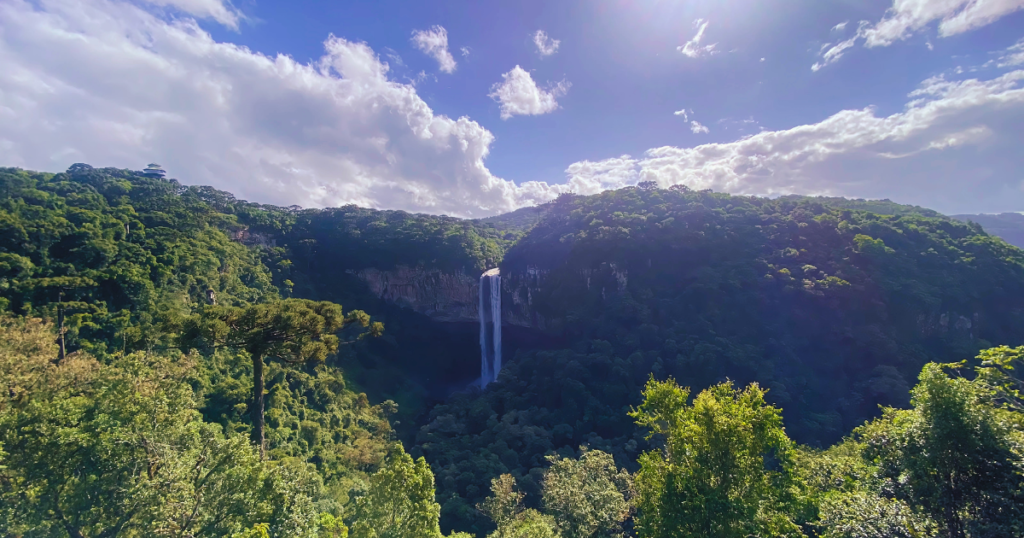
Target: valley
{"points": [[831, 307]]}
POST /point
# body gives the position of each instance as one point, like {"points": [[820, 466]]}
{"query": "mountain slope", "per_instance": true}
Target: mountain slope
{"points": [[831, 304], [833, 310], [1009, 226]]}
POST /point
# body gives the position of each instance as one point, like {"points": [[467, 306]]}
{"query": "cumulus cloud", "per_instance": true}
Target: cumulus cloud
{"points": [[951, 148], [434, 43], [693, 48], [465, 51], [907, 17], [112, 84], [590, 177], [518, 94], [684, 113], [545, 45]]}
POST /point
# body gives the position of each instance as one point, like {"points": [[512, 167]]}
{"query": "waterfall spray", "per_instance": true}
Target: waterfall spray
{"points": [[490, 314]]}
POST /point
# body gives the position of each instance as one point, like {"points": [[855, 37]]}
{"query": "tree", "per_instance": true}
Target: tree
{"points": [[119, 449], [844, 497], [504, 507], [726, 467], [999, 373], [867, 514], [954, 456], [399, 502], [587, 496], [505, 503], [565, 198], [292, 331]]}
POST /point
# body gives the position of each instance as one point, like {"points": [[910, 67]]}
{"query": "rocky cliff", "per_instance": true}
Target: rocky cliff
{"points": [[443, 296], [517, 305], [454, 297]]}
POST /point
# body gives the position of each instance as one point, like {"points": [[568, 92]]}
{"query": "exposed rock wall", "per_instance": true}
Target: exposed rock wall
{"points": [[253, 239], [454, 297], [944, 323], [443, 296], [518, 289]]}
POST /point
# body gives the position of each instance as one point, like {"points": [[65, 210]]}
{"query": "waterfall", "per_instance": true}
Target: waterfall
{"points": [[496, 321], [490, 314], [485, 374]]}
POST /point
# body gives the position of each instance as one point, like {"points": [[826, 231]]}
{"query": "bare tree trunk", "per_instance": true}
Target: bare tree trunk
{"points": [[61, 350], [258, 437]]}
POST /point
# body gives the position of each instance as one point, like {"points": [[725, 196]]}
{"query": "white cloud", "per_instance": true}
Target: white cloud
{"points": [[693, 48], [1014, 55], [393, 55], [695, 126], [518, 94], [840, 27], [465, 51], [833, 54], [589, 177], [741, 126], [434, 43], [219, 10], [953, 148], [545, 45], [907, 17], [110, 84]]}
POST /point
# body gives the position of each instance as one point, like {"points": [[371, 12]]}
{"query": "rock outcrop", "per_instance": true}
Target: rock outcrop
{"points": [[454, 297], [518, 288], [443, 296]]}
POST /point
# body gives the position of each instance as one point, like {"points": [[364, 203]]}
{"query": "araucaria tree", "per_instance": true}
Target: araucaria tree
{"points": [[292, 331]]}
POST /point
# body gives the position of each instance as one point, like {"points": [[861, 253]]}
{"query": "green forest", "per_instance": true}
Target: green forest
{"points": [[178, 362]]}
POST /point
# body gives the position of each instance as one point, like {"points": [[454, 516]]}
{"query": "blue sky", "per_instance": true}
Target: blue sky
{"points": [[912, 100]]}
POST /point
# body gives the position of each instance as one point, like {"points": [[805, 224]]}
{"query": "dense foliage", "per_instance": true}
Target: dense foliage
{"points": [[149, 332], [120, 449], [833, 310], [115, 248], [1009, 226], [726, 467]]}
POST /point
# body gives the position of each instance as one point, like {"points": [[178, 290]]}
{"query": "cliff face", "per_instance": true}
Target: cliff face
{"points": [[454, 297], [517, 298], [446, 297]]}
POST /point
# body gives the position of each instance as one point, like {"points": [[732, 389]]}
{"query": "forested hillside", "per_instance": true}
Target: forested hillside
{"points": [[122, 259], [833, 310], [175, 363], [1009, 226]]}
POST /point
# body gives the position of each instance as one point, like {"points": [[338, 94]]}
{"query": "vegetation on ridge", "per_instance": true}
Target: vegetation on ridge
{"points": [[833, 310], [791, 320]]}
